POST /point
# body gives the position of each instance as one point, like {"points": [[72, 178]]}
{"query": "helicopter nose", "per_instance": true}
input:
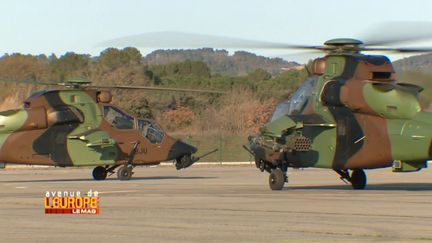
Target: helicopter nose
{"points": [[180, 148]]}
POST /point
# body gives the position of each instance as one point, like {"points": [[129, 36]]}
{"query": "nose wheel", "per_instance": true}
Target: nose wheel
{"points": [[277, 179]]}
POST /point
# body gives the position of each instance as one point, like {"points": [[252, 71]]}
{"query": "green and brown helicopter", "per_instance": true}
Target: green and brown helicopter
{"points": [[351, 114], [78, 126]]}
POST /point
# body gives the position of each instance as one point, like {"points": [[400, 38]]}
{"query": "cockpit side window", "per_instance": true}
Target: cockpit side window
{"points": [[151, 131], [117, 118]]}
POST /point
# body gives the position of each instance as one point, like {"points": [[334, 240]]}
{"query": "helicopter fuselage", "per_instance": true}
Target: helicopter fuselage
{"points": [[81, 128], [353, 115]]}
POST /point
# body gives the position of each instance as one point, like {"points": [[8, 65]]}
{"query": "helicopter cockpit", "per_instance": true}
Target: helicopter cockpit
{"points": [[120, 120], [298, 101]]}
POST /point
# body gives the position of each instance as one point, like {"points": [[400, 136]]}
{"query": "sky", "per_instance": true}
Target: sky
{"points": [[59, 26]]}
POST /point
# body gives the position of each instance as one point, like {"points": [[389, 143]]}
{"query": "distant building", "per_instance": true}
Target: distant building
{"points": [[297, 67]]}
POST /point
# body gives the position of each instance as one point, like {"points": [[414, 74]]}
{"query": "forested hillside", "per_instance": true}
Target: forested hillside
{"points": [[418, 70], [219, 61], [421, 63]]}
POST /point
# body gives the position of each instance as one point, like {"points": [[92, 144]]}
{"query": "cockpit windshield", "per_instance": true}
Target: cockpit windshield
{"points": [[120, 120], [298, 101], [150, 130]]}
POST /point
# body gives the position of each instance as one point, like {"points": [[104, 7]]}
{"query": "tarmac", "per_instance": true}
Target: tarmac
{"points": [[219, 204]]}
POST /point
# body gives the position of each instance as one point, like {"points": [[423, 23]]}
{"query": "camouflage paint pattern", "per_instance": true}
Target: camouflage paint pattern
{"points": [[68, 128], [357, 117]]}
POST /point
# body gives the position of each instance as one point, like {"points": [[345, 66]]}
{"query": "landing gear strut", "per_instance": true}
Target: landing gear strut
{"points": [[124, 173], [357, 178]]}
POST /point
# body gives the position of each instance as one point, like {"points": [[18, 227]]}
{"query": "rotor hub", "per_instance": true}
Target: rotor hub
{"points": [[343, 45], [343, 42], [76, 82]]}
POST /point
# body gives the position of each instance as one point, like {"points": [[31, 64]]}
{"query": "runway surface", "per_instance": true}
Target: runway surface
{"points": [[219, 204]]}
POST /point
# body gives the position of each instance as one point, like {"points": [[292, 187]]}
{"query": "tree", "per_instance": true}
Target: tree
{"points": [[178, 118], [140, 107], [259, 74], [22, 67], [132, 55], [70, 65], [114, 58]]}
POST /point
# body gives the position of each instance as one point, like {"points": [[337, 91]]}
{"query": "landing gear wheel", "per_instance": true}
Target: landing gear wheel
{"points": [[124, 173], [358, 179], [277, 179], [99, 173]]}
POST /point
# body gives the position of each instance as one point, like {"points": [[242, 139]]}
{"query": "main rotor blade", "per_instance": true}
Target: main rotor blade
{"points": [[398, 32], [174, 39], [85, 86], [30, 82], [158, 89], [383, 34], [400, 50]]}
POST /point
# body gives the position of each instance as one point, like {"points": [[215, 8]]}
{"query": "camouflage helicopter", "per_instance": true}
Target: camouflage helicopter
{"points": [[78, 126], [351, 114]]}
